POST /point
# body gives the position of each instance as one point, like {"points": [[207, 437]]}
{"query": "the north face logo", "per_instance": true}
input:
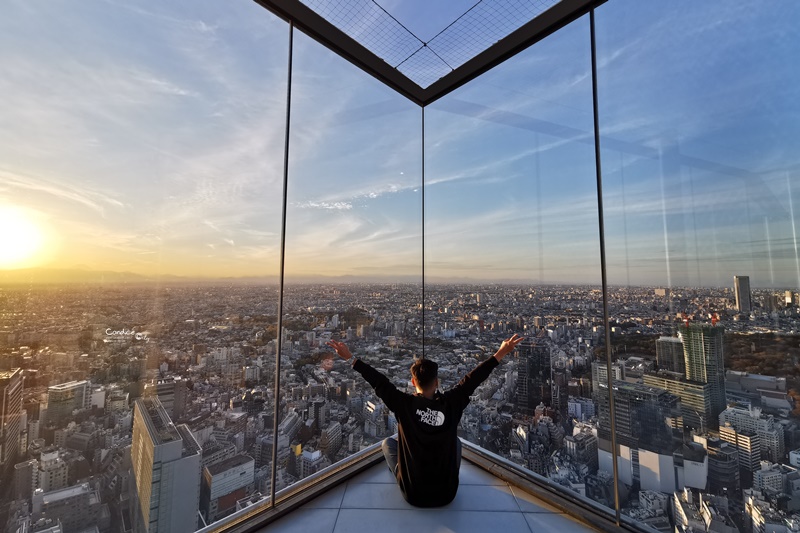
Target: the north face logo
{"points": [[431, 417]]}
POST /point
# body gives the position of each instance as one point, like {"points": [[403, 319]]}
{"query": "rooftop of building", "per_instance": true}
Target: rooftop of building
{"points": [[158, 423], [8, 374], [69, 492], [227, 464], [675, 376], [67, 385]]}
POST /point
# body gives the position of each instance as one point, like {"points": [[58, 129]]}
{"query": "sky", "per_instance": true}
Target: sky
{"points": [[149, 138]]}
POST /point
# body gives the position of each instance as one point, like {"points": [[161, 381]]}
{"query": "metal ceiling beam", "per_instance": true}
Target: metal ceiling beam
{"points": [[530, 33], [322, 31]]}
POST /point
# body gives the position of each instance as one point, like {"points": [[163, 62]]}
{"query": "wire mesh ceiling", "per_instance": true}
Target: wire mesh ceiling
{"points": [[475, 30]]}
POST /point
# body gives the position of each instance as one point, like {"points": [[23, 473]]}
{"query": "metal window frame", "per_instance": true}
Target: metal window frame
{"points": [[318, 28]]}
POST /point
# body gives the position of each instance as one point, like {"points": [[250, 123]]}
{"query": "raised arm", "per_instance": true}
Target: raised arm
{"points": [[384, 388], [508, 346], [471, 381], [341, 349]]}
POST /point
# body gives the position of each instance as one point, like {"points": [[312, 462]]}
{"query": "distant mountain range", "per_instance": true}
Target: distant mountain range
{"points": [[61, 275], [45, 276]]}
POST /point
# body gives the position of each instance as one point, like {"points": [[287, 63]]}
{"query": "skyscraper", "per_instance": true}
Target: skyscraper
{"points": [[702, 349], [695, 397], [560, 393], [723, 467], [669, 354], [600, 376], [64, 398], [10, 420], [225, 483], [166, 471], [641, 417], [748, 448], [741, 285], [769, 431], [173, 393], [534, 376]]}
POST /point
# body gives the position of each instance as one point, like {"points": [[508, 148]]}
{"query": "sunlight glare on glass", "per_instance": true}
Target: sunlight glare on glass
{"points": [[20, 238]]}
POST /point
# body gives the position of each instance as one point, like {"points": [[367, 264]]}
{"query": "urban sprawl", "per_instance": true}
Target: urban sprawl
{"points": [[137, 405]]}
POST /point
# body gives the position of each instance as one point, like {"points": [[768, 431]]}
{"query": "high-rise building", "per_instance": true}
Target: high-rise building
{"points": [[748, 448], [533, 377], [224, 484], [669, 354], [768, 430], [173, 394], [600, 375], [65, 398], [642, 415], [582, 447], [702, 349], [11, 420], [741, 286], [53, 470], [309, 462], [560, 393], [695, 397], [26, 479], [723, 467], [78, 508], [166, 470], [330, 440]]}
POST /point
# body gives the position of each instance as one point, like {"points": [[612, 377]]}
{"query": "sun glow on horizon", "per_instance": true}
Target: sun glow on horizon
{"points": [[21, 239]]}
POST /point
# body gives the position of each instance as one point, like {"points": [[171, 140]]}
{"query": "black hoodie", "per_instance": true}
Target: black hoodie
{"points": [[427, 464]]}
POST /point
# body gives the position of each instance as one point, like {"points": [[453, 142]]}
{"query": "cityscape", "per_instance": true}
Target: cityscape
{"points": [[119, 394], [196, 196]]}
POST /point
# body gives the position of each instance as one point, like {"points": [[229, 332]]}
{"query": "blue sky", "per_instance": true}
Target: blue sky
{"points": [[148, 138]]}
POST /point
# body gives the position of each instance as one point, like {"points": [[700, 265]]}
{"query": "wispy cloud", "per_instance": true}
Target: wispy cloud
{"points": [[16, 186], [324, 205]]}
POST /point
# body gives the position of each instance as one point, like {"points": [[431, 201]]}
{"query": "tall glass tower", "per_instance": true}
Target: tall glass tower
{"points": [[534, 378], [10, 420], [702, 348], [741, 285], [166, 471]]}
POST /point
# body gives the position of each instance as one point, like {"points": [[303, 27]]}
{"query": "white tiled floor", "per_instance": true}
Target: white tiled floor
{"points": [[371, 502]]}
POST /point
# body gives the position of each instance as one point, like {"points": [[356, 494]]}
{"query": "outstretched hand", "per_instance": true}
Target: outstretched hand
{"points": [[341, 349], [508, 346]]}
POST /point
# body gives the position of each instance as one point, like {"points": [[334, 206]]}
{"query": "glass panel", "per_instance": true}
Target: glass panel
{"points": [[512, 246], [353, 258], [141, 170], [699, 111]]}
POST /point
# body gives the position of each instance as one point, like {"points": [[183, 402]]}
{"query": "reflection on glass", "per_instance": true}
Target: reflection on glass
{"points": [[352, 259], [139, 256], [700, 185], [511, 246], [140, 207]]}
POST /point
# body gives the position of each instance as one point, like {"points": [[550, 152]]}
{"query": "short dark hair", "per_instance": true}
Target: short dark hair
{"points": [[425, 372]]}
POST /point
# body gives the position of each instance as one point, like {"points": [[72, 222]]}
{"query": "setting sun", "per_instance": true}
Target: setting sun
{"points": [[21, 238]]}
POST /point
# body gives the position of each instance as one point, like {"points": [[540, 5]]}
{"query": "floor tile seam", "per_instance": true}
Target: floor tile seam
{"points": [[435, 509], [576, 524], [527, 524], [336, 520], [516, 500], [543, 509]]}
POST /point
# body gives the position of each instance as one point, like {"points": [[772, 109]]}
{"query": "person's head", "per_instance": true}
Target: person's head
{"points": [[425, 375]]}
